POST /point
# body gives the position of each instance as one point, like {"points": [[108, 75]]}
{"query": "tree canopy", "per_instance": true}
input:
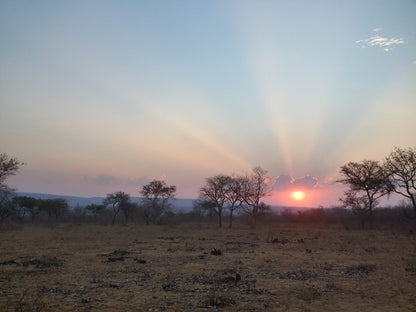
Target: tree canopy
{"points": [[8, 166], [401, 169], [116, 201], [156, 196]]}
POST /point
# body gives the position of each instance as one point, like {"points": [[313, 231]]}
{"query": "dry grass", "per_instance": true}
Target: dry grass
{"points": [[194, 267]]}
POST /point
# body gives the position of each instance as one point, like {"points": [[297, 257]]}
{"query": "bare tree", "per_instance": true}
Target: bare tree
{"points": [[156, 199], [234, 195], [215, 192], [367, 181], [116, 202], [401, 168], [255, 187]]}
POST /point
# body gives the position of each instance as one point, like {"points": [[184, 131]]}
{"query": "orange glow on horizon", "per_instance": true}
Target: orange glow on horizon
{"points": [[313, 198]]}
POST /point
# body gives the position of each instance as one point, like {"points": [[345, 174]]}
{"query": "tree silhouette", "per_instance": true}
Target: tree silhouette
{"points": [[156, 199], [401, 168], [28, 205], [8, 166], [215, 192], [255, 187], [116, 201], [95, 209], [368, 181], [234, 195], [56, 207]]}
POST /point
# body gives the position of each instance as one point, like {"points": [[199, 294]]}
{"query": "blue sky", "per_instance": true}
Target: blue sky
{"points": [[100, 96]]}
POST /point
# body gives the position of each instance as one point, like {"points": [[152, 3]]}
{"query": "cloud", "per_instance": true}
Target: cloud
{"points": [[285, 182], [329, 181], [307, 182], [111, 180], [414, 62], [137, 181], [103, 180], [387, 44]]}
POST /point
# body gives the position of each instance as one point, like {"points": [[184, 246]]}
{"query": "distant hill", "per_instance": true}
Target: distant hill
{"points": [[179, 204], [184, 204]]}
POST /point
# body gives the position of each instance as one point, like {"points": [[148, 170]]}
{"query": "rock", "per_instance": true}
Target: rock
{"points": [[216, 252]]}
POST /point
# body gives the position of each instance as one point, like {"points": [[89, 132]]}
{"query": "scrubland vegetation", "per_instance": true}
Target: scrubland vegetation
{"points": [[127, 256]]}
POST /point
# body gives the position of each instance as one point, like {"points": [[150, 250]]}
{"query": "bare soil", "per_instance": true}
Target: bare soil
{"points": [[198, 267]]}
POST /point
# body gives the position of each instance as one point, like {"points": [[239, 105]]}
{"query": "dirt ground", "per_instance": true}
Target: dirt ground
{"points": [[198, 267]]}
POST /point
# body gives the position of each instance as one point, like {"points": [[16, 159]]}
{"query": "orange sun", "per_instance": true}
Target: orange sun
{"points": [[297, 195]]}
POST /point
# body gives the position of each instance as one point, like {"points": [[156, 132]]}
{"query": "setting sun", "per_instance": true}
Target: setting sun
{"points": [[298, 195]]}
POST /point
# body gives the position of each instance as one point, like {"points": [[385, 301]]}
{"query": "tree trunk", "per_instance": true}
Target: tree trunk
{"points": [[114, 215], [412, 197], [231, 218]]}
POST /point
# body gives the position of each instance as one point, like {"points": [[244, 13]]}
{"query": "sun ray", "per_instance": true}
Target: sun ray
{"points": [[213, 144]]}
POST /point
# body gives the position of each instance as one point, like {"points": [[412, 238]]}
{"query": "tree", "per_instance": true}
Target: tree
{"points": [[156, 196], [79, 214], [200, 210], [116, 201], [368, 181], [8, 166], [215, 193], [28, 205], [56, 207], [234, 195], [95, 209], [7, 209], [254, 188], [401, 169], [359, 205], [129, 209]]}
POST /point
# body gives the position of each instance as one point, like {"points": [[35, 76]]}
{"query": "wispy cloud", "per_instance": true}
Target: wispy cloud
{"points": [[111, 180], [387, 44], [138, 181], [103, 180]]}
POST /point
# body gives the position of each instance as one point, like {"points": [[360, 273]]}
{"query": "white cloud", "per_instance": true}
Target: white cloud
{"points": [[414, 62], [387, 44]]}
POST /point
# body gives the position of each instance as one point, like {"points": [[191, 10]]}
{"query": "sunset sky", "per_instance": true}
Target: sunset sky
{"points": [[101, 96]]}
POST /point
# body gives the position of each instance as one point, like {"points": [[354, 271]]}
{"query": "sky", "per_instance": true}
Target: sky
{"points": [[102, 96]]}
